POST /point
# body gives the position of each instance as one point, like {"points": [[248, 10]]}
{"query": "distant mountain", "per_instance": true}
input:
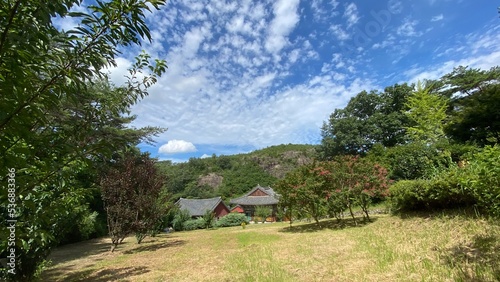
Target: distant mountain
{"points": [[231, 176]]}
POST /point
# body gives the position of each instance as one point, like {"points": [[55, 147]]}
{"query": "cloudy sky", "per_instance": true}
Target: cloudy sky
{"points": [[244, 75]]}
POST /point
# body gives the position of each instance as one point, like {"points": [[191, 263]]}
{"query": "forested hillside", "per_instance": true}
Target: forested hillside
{"points": [[230, 176]]}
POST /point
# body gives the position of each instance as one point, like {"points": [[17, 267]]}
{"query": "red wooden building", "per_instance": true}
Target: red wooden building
{"points": [[258, 196], [237, 209]]}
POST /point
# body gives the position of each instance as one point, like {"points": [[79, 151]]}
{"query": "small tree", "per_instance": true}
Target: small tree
{"points": [[208, 219], [133, 199], [356, 181], [426, 112], [288, 199], [179, 219], [263, 212], [304, 191]]}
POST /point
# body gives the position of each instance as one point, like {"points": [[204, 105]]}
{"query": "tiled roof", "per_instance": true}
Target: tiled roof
{"points": [[198, 207], [246, 200]]}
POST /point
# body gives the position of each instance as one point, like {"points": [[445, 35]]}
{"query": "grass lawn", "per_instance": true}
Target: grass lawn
{"points": [[418, 248]]}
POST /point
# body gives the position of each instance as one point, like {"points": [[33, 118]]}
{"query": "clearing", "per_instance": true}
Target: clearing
{"points": [[418, 248]]}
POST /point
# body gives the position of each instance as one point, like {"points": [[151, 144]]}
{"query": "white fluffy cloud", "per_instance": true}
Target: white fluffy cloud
{"points": [[286, 17], [177, 146]]}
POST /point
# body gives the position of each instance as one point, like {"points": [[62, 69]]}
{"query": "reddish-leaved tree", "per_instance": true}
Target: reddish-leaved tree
{"points": [[133, 197]]}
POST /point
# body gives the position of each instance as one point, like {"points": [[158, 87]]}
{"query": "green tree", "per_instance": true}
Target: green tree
{"points": [[413, 160], [304, 191], [263, 212], [426, 113], [473, 112], [288, 197], [208, 219], [465, 81], [368, 119], [52, 124]]}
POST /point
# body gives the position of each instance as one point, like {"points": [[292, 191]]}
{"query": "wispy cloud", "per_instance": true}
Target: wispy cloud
{"points": [[437, 18], [408, 28], [351, 14]]}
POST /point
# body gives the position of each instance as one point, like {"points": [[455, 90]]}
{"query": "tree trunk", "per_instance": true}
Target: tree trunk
{"points": [[317, 221], [352, 214], [367, 216]]}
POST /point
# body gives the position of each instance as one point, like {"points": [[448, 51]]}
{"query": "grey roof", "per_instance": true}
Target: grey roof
{"points": [[246, 200], [198, 207]]}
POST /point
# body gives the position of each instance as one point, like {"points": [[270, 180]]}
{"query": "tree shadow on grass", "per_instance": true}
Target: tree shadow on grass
{"points": [[109, 274], [86, 254], [79, 250], [154, 246], [332, 224], [477, 260]]}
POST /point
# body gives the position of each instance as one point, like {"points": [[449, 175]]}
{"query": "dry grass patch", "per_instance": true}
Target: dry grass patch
{"points": [[442, 248]]}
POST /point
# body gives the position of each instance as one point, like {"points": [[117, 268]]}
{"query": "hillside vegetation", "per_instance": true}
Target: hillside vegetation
{"points": [[230, 176]]}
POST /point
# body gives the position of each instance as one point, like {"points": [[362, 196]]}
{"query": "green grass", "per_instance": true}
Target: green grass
{"points": [[435, 247]]}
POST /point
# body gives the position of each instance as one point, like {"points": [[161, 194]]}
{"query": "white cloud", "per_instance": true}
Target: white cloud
{"points": [[194, 38], [249, 75], [395, 7], [204, 156], [177, 146], [339, 32], [286, 17], [437, 18], [408, 28], [351, 14]]}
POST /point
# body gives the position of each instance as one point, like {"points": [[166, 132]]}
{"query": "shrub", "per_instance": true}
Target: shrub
{"points": [[483, 179], [194, 224], [263, 212], [232, 219], [406, 195], [416, 160], [477, 183], [208, 219], [179, 219]]}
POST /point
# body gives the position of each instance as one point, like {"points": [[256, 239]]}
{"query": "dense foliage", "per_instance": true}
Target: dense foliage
{"points": [[232, 219], [368, 119], [330, 188], [59, 117], [473, 183], [439, 159]]}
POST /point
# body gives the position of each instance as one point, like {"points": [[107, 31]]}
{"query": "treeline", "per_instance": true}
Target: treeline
{"points": [[438, 140]]}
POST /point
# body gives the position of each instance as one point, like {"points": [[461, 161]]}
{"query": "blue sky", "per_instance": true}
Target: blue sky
{"points": [[245, 75]]}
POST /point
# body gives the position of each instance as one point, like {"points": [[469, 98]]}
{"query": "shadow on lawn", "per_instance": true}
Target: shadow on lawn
{"points": [[79, 250], [154, 246], [332, 224], [110, 274], [476, 260], [100, 249]]}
